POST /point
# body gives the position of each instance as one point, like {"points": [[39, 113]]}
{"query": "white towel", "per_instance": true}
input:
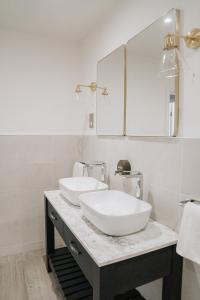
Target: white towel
{"points": [[79, 170], [188, 244]]}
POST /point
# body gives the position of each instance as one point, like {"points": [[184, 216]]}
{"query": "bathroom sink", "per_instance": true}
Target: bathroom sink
{"points": [[115, 213], [72, 187]]}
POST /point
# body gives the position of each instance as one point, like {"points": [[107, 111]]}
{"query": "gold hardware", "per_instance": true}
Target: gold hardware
{"points": [[172, 59], [192, 39], [93, 86], [170, 41]]}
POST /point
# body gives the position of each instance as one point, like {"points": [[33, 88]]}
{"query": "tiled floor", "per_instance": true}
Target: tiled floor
{"points": [[24, 277]]}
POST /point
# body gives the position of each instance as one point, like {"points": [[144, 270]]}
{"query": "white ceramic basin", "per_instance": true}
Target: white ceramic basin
{"points": [[72, 187], [115, 213]]}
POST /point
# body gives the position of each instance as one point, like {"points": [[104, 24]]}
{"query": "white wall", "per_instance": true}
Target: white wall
{"points": [[129, 18], [29, 165], [37, 80]]}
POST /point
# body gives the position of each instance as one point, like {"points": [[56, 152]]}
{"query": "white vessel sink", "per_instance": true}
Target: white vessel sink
{"points": [[115, 213], [72, 187]]}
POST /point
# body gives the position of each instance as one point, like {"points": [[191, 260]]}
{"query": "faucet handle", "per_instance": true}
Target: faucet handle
{"points": [[123, 167]]}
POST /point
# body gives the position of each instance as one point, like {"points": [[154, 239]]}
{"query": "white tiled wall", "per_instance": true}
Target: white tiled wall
{"points": [[28, 166], [32, 164], [171, 169]]}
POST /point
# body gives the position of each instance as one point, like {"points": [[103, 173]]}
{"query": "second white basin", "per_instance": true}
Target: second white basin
{"points": [[115, 213], [72, 187]]}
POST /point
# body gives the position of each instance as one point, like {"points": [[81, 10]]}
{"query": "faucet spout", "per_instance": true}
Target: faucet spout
{"points": [[124, 170]]}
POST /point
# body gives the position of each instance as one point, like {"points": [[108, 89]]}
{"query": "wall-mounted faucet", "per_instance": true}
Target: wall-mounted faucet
{"points": [[124, 170], [95, 164]]}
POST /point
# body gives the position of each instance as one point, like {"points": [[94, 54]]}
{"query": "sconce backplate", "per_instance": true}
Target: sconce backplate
{"points": [[192, 40]]}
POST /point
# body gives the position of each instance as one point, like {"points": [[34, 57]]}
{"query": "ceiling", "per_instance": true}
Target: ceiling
{"points": [[68, 19]]}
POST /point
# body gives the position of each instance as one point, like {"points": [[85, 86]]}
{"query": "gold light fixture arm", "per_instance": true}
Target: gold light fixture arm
{"points": [[93, 86], [192, 39], [104, 90]]}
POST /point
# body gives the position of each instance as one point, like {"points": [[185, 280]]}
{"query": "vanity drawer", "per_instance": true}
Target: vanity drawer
{"points": [[55, 218], [81, 256]]}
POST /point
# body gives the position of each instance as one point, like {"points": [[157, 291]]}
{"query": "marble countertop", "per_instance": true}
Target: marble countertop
{"points": [[105, 249]]}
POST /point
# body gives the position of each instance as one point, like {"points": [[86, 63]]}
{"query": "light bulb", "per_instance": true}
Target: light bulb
{"points": [[168, 20], [105, 92], [173, 63], [170, 63], [78, 89]]}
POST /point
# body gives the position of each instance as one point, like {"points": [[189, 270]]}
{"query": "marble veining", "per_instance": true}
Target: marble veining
{"points": [[106, 249]]}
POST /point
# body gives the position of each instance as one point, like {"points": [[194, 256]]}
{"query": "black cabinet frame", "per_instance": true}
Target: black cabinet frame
{"points": [[119, 277]]}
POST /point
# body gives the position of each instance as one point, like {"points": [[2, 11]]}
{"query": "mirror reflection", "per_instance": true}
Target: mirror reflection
{"points": [[110, 107], [152, 99]]}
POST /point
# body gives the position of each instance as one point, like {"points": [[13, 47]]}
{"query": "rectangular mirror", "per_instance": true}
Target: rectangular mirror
{"points": [[152, 99], [110, 108]]}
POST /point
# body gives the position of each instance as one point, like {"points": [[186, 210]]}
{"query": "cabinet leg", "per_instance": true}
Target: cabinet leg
{"points": [[103, 295], [102, 290], [172, 283], [49, 235]]}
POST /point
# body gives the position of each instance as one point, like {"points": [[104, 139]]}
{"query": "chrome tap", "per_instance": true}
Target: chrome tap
{"points": [[93, 164], [124, 170], [139, 176]]}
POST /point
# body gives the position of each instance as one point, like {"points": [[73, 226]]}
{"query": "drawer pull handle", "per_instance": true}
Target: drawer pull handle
{"points": [[73, 248], [53, 217]]}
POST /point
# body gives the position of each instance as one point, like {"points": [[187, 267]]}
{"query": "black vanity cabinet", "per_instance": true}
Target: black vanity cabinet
{"points": [[80, 277]]}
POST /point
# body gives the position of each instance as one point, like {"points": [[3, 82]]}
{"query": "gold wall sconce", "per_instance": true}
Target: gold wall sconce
{"points": [[93, 87], [172, 58]]}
